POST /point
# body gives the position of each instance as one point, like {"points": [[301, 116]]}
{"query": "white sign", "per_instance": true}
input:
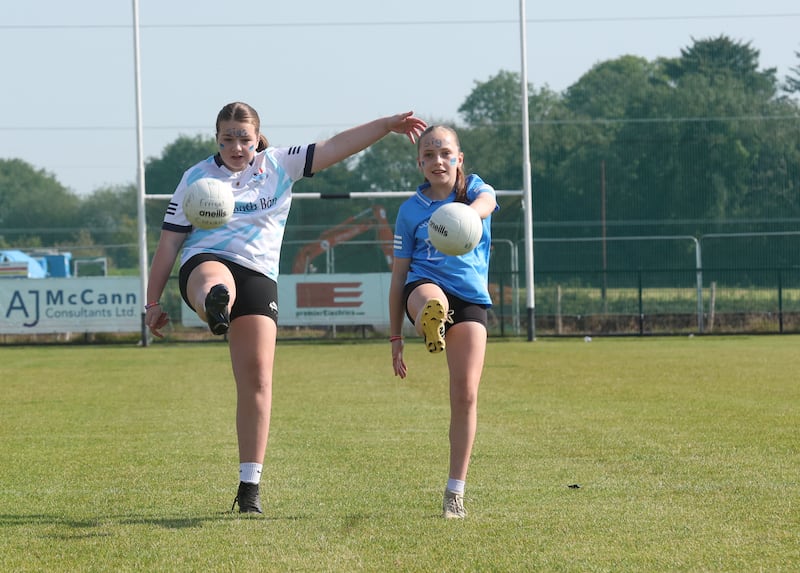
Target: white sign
{"points": [[112, 304], [314, 300], [55, 305]]}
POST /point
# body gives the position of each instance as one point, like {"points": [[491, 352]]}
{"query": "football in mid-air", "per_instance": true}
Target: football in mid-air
{"points": [[208, 203], [455, 228]]}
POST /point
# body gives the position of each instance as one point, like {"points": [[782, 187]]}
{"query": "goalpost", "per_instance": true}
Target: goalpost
{"points": [[526, 192], [527, 202]]}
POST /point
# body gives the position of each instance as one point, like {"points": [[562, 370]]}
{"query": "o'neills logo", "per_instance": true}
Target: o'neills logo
{"points": [[217, 213], [441, 229]]}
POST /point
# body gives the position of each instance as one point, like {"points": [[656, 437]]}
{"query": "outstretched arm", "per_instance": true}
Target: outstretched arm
{"points": [[349, 142], [484, 204]]}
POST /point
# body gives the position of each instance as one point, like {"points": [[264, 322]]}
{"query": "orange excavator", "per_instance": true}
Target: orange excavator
{"points": [[371, 218]]}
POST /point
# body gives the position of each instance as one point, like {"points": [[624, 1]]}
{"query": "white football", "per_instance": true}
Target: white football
{"points": [[455, 228], [208, 203]]}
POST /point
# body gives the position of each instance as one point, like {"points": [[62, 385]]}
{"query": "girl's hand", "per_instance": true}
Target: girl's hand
{"points": [[155, 319], [406, 123], [397, 358]]}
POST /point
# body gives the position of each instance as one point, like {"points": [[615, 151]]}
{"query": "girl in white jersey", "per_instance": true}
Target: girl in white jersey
{"points": [[228, 275], [445, 297]]}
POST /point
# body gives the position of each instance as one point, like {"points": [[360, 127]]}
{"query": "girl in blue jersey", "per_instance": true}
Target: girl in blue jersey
{"points": [[445, 297], [228, 275]]}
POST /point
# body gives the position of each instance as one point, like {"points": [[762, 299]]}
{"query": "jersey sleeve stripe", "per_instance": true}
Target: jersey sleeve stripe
{"points": [[309, 161], [176, 228]]}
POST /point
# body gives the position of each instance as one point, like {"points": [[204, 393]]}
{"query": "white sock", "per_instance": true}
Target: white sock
{"points": [[250, 472], [456, 485]]}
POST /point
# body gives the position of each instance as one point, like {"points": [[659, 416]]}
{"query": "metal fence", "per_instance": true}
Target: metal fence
{"points": [[653, 302], [670, 292], [671, 285], [678, 284]]}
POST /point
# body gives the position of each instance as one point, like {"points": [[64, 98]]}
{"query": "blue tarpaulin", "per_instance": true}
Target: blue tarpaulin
{"points": [[18, 264]]}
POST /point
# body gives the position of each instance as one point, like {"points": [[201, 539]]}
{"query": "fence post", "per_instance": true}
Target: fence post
{"points": [[502, 306], [641, 304], [698, 258], [559, 323], [780, 301], [712, 307]]}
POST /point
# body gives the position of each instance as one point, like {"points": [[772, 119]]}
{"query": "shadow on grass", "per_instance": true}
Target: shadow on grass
{"points": [[83, 527]]}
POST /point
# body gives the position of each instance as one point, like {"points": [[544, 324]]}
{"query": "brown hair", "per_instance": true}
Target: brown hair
{"points": [[242, 112], [461, 180]]}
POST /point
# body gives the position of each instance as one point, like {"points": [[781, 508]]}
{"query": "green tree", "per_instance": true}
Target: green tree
{"points": [[600, 105], [492, 138], [389, 165], [719, 87], [33, 204], [492, 145], [773, 184], [494, 102], [793, 79], [610, 89], [110, 216], [721, 57], [674, 137]]}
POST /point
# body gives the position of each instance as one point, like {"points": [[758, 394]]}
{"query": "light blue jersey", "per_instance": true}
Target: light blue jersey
{"points": [[262, 194], [467, 276]]}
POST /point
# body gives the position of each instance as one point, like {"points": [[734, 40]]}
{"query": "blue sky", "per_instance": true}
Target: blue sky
{"points": [[311, 67]]}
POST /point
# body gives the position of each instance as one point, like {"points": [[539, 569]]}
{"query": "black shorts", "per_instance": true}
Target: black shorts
{"points": [[255, 293], [463, 311]]}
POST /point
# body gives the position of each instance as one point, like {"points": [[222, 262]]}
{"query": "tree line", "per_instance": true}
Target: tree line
{"points": [[701, 143]]}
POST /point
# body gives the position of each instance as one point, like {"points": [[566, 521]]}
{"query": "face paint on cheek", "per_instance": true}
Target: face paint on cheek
{"points": [[251, 148], [453, 161], [222, 146], [422, 164]]}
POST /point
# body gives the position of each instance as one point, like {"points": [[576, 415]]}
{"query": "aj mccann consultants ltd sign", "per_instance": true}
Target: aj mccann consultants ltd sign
{"points": [[92, 304]]}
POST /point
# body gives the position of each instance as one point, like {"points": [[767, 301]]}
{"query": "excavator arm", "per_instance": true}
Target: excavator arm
{"points": [[373, 217]]}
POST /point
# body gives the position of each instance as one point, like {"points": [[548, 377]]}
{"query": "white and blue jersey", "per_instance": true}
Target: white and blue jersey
{"points": [[263, 196], [466, 276]]}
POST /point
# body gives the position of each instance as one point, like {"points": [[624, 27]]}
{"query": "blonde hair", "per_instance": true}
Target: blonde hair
{"points": [[243, 113], [461, 180]]}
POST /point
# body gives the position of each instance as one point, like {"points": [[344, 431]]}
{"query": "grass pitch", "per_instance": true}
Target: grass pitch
{"points": [[685, 451]]}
